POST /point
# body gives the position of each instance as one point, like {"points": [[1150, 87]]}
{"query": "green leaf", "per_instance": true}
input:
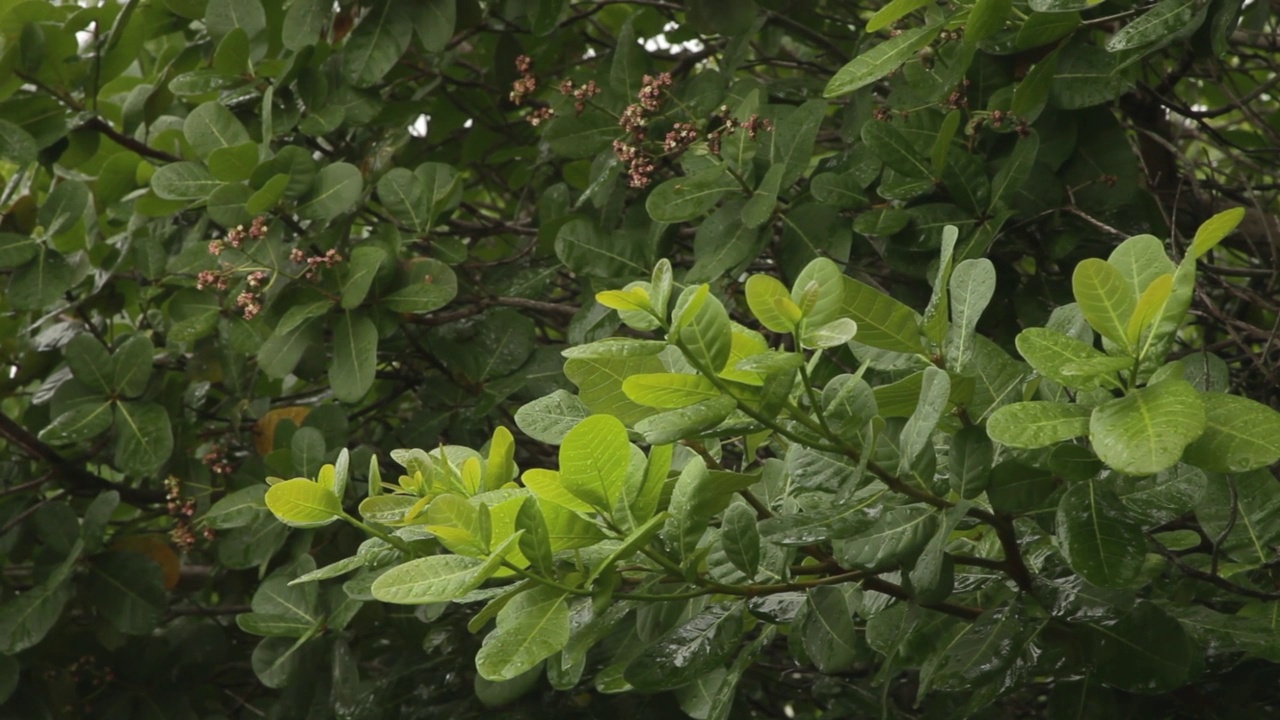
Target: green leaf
{"points": [[429, 285], [1015, 171], [355, 357], [360, 272], [1051, 353], [1240, 435], [1244, 510], [1147, 311], [942, 143], [79, 423], [89, 362], [1168, 17], [305, 20], [435, 21], [819, 292], [740, 538], [223, 16], [1146, 651], [530, 628], [1102, 542], [16, 144], [827, 630], [211, 126], [144, 437], [831, 334], [131, 365], [535, 541], [917, 434], [1042, 28], [883, 322], [893, 12], [973, 284], [237, 509], [27, 618], [1146, 431], [687, 652], [1141, 259], [184, 181], [893, 148], [402, 194], [1105, 298], [17, 249], [593, 460], [1215, 229], [548, 419], [128, 590], [897, 538], [686, 198], [235, 163], [1037, 424], [669, 390], [41, 282], [759, 208], [793, 139], [706, 336], [1032, 94], [685, 422], [64, 207], [438, 578], [302, 503], [376, 44], [985, 19], [337, 189], [880, 60], [761, 292]]}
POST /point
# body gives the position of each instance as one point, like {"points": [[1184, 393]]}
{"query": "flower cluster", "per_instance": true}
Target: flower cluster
{"points": [[182, 511], [217, 461], [237, 235], [539, 115], [729, 125], [329, 259], [651, 88], [527, 83], [212, 278], [633, 121], [580, 93], [681, 136]]}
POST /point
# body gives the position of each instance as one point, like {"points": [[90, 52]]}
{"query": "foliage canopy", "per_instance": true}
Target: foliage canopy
{"points": [[734, 357]]}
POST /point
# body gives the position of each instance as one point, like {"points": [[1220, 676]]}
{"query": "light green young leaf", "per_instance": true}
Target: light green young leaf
{"points": [[593, 460], [302, 503], [829, 335], [1105, 298], [1141, 259], [761, 291], [1215, 230], [917, 434], [669, 390]]}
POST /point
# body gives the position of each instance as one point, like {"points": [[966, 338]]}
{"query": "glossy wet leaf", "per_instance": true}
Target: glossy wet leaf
{"points": [[303, 503], [530, 628], [1099, 537], [1240, 435], [689, 651], [1147, 430], [1037, 423]]}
